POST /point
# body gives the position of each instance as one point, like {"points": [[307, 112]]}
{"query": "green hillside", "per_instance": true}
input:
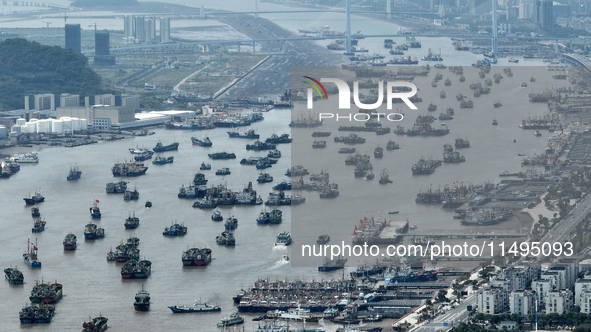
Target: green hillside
{"points": [[29, 67]]}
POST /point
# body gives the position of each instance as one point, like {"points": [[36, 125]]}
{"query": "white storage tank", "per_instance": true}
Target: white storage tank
{"points": [[16, 129], [76, 125], [3, 132], [44, 126], [84, 125], [67, 125], [30, 127], [57, 127], [21, 122]]}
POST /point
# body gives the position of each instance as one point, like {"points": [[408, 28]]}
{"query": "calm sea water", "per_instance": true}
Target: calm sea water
{"points": [[93, 286]]}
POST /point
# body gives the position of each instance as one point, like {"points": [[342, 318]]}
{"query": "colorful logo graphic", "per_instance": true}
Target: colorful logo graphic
{"points": [[315, 87]]}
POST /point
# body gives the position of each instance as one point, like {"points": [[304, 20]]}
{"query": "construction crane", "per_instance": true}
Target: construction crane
{"points": [[97, 25], [48, 23]]}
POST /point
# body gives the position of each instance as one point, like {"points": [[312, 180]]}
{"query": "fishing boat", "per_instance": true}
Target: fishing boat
{"points": [[148, 204], [205, 166], [142, 300], [234, 319], [201, 142], [231, 223], [38, 226], [70, 242], [131, 195], [14, 276], [97, 324], [217, 216], [322, 239], [143, 156], [161, 160], [35, 212], [250, 133], [95, 212], [93, 232], [30, 256], [170, 147], [34, 199], [334, 264], [283, 239], [132, 222], [175, 230], [74, 174], [198, 306]]}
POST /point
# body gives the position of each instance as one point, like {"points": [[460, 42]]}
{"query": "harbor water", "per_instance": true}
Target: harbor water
{"points": [[93, 286]]}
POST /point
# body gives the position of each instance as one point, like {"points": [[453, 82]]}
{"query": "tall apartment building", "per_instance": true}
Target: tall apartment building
{"points": [[493, 300], [165, 29], [542, 287], [559, 301], [139, 29], [544, 13], [102, 49], [74, 37], [128, 27], [522, 302], [147, 29]]}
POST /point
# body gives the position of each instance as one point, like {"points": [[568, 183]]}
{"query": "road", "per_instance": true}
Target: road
{"points": [[452, 317], [562, 231]]}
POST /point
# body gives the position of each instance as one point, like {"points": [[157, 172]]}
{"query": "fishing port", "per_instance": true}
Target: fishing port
{"points": [[254, 175]]}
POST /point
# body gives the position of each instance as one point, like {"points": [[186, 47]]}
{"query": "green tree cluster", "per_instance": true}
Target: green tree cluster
{"points": [[29, 67]]}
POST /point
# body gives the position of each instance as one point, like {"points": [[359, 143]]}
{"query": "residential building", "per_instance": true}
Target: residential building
{"points": [[584, 300], [493, 300], [165, 29], [522, 302], [74, 37], [580, 286], [544, 13], [542, 287], [559, 301]]}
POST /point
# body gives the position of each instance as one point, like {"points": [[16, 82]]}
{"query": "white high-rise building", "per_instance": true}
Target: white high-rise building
{"points": [[522, 302], [128, 27], [165, 29], [559, 301], [493, 300]]}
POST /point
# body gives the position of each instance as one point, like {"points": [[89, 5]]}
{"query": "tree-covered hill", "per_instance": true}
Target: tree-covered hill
{"points": [[29, 67]]}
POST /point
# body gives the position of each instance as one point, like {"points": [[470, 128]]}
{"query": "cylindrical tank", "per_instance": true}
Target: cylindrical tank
{"points": [[3, 132], [84, 125], [43, 126], [31, 127], [76, 125], [16, 129], [57, 127], [20, 122], [67, 125]]}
